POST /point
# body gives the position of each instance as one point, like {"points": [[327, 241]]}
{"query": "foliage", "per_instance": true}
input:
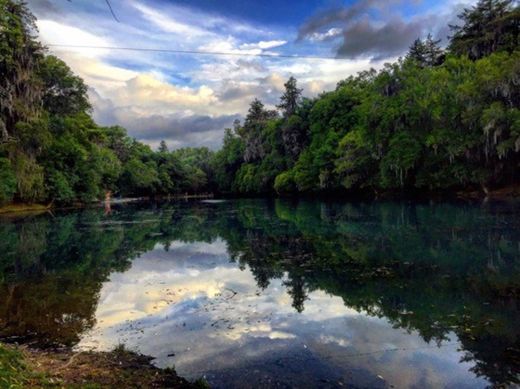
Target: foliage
{"points": [[434, 120], [7, 181], [13, 371], [284, 183], [290, 100], [52, 147], [63, 92], [487, 27], [427, 52], [408, 127]]}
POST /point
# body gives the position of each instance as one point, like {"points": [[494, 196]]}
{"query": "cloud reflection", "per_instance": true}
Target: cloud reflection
{"points": [[190, 306]]}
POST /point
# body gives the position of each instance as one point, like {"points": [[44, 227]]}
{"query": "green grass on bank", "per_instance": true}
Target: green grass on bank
{"points": [[14, 372], [25, 368]]}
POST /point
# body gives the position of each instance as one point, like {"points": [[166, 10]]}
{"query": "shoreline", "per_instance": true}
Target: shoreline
{"points": [[22, 208], [22, 366], [508, 193]]}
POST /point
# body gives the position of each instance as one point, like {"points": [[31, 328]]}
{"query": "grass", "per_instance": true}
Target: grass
{"points": [[15, 373], [24, 367]]}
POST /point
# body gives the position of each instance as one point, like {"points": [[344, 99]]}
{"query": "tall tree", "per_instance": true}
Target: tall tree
{"points": [[163, 147], [426, 53], [489, 26], [64, 93], [252, 130], [20, 54], [434, 53], [291, 98], [417, 51]]}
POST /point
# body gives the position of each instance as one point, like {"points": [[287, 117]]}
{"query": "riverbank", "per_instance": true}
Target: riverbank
{"points": [[510, 192], [21, 208], [24, 208], [22, 367], [506, 193]]}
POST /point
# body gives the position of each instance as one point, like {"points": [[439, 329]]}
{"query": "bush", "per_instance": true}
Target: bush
{"points": [[284, 183], [7, 181]]}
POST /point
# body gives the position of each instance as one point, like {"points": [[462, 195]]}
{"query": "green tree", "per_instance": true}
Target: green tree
{"points": [[7, 181], [427, 52], [20, 56], [290, 99], [63, 92], [163, 147], [252, 131], [139, 178], [487, 27], [228, 159]]}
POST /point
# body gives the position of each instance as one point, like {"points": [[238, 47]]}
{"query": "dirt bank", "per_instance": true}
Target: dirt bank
{"points": [[22, 367]]}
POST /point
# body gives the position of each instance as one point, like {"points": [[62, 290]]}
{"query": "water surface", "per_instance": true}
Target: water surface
{"points": [[276, 293]]}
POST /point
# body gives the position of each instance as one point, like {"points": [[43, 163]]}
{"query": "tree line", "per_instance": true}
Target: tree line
{"points": [[434, 120], [51, 150], [437, 119]]}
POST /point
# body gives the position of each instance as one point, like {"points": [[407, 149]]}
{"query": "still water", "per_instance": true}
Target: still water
{"points": [[258, 293]]}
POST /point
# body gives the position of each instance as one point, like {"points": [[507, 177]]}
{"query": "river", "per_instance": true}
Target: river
{"points": [[276, 293]]}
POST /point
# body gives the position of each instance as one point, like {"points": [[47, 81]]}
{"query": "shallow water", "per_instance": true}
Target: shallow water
{"points": [[276, 293]]}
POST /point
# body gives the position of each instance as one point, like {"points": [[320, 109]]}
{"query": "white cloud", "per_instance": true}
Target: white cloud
{"points": [[154, 96], [329, 34], [161, 95], [52, 32], [169, 24], [263, 45], [192, 301]]}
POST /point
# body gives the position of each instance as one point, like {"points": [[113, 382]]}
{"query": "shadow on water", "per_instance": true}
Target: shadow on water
{"points": [[437, 271]]}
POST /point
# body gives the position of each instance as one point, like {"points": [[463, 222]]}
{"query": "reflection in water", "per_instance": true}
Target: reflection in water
{"points": [[276, 293]]}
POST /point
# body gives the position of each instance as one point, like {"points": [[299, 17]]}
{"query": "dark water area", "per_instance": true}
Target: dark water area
{"points": [[274, 293]]}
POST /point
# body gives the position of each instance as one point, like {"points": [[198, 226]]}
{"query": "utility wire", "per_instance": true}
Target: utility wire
{"points": [[112, 11], [196, 52], [109, 7]]}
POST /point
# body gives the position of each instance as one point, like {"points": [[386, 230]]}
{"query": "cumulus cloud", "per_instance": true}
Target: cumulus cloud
{"points": [[331, 33], [336, 15], [375, 29], [185, 100], [263, 45], [153, 110], [152, 95], [364, 38], [178, 131]]}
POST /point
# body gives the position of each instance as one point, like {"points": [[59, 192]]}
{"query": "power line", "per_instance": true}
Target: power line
{"points": [[109, 7], [112, 11], [196, 52]]}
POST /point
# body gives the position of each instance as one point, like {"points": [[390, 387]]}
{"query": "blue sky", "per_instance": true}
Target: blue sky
{"points": [[188, 100]]}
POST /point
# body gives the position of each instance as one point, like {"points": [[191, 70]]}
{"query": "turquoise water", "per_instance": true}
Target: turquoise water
{"points": [[251, 293]]}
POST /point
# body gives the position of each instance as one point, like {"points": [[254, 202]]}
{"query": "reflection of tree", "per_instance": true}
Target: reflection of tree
{"points": [[54, 310], [496, 357], [432, 269], [296, 289], [424, 268], [53, 270]]}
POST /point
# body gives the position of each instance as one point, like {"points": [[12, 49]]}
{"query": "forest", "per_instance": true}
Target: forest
{"points": [[437, 120]]}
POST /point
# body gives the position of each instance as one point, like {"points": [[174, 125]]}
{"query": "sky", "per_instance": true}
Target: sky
{"points": [[188, 99]]}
